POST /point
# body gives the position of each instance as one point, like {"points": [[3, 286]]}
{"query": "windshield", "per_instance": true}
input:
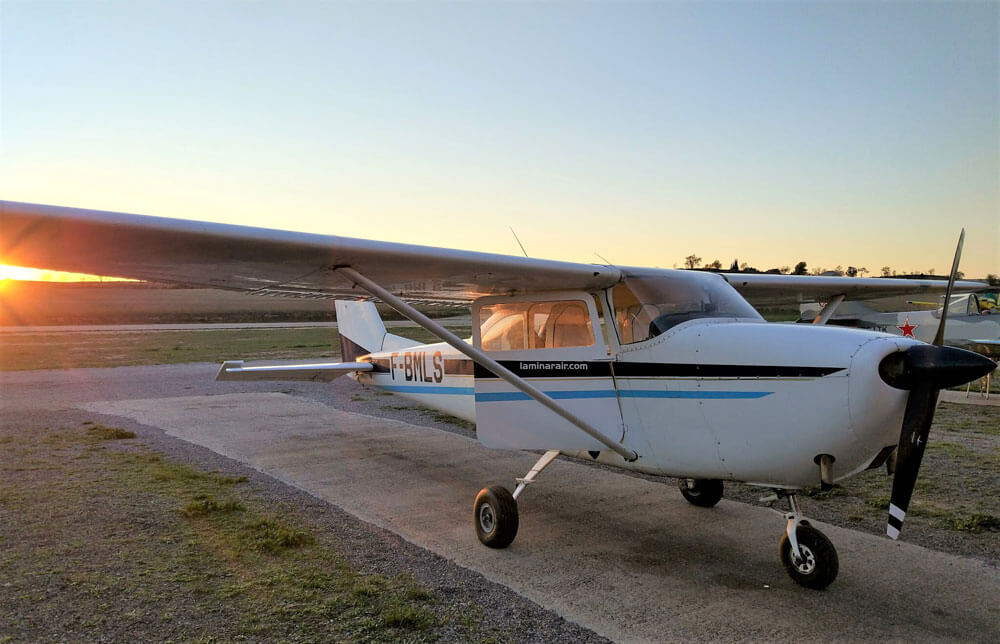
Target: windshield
{"points": [[648, 304]]}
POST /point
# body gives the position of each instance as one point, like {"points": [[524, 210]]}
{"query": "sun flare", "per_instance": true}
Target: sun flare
{"points": [[39, 275]]}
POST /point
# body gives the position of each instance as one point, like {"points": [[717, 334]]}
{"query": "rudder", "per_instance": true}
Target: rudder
{"points": [[362, 331], [360, 327]]}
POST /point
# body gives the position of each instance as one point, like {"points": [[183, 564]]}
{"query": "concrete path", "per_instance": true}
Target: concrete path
{"points": [[611, 552]]}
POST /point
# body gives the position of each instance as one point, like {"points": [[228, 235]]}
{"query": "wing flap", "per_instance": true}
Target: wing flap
{"points": [[307, 371]]}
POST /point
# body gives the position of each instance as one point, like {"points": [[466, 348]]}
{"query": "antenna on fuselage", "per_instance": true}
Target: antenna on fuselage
{"points": [[518, 241]]}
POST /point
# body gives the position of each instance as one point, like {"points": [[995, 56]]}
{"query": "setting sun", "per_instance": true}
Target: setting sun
{"points": [[40, 275]]}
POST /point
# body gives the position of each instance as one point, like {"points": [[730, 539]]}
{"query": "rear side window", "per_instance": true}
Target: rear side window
{"points": [[535, 325]]}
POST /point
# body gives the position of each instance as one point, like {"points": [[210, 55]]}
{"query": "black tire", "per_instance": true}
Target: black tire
{"points": [[495, 517], [704, 493], [819, 565]]}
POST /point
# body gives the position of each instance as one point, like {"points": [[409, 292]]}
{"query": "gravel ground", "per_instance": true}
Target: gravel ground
{"points": [[507, 616], [372, 550]]}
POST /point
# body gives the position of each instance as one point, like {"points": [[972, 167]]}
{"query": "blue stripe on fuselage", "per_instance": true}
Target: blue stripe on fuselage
{"points": [[507, 396]]}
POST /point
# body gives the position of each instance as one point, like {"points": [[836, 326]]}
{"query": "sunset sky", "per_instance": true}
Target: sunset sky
{"points": [[862, 134]]}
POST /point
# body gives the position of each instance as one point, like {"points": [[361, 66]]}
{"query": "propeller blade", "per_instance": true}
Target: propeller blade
{"points": [[917, 421], [923, 370], [939, 336]]}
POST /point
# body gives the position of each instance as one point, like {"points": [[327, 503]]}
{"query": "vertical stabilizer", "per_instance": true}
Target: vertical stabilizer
{"points": [[362, 331], [360, 327]]}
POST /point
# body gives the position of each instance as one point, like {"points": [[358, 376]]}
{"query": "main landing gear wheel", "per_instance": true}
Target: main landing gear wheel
{"points": [[704, 493], [818, 565], [496, 517]]}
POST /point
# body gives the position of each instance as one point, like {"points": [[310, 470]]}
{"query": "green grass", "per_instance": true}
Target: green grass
{"points": [[119, 535], [124, 348], [109, 433]]}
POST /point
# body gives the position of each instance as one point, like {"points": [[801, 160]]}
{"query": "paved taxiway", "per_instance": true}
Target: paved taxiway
{"points": [[623, 556]]}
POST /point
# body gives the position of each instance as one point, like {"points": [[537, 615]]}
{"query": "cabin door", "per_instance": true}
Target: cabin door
{"points": [[555, 342]]}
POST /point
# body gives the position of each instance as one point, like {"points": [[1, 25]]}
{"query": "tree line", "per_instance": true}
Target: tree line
{"points": [[693, 262]]}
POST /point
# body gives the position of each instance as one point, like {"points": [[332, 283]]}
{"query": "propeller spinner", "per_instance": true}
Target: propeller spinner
{"points": [[924, 370]]}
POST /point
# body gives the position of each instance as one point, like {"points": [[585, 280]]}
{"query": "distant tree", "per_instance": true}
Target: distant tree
{"points": [[851, 271], [784, 270], [839, 270], [862, 271], [992, 279], [774, 271], [886, 271], [800, 269], [959, 275], [930, 271], [818, 271], [735, 266], [691, 261], [744, 266], [716, 265]]}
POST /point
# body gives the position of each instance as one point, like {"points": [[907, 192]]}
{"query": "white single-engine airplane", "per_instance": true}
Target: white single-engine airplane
{"points": [[661, 371]]}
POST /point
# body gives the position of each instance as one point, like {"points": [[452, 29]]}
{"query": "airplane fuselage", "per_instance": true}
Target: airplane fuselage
{"points": [[682, 402]]}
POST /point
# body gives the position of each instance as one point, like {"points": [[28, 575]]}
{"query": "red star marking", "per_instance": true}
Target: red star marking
{"points": [[907, 328]]}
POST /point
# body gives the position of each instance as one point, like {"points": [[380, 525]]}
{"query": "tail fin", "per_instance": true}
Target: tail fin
{"points": [[362, 331]]}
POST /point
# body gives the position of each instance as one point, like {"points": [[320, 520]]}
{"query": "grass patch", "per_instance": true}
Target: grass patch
{"points": [[58, 350], [129, 537], [442, 417], [878, 502], [977, 523], [267, 534], [104, 433], [407, 616], [210, 505]]}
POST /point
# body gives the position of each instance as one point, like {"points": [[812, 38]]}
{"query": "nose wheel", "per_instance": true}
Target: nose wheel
{"points": [[808, 556]]}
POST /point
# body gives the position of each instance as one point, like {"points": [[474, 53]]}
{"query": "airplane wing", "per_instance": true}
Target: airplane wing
{"points": [[767, 288], [268, 262], [276, 262]]}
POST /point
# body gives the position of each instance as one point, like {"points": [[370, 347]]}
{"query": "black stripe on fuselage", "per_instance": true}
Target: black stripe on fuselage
{"points": [[584, 369], [672, 370]]}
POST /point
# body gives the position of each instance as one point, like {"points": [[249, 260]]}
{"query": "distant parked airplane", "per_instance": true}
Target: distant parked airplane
{"points": [[973, 321]]}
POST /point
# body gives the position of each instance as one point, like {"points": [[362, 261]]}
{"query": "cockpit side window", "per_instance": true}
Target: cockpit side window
{"points": [[632, 317], [647, 305]]}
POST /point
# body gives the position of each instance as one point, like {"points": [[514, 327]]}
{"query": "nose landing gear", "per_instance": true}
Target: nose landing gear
{"points": [[808, 556]]}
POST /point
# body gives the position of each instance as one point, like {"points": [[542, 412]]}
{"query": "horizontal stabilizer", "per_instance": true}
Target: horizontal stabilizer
{"points": [[301, 371]]}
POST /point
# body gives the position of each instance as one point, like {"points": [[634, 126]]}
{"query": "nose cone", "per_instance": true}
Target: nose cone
{"points": [[935, 366]]}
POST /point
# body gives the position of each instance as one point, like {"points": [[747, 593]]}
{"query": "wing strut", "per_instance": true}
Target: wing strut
{"points": [[483, 360], [831, 306]]}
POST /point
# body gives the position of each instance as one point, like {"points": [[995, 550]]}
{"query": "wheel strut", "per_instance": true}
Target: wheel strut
{"points": [[795, 519], [529, 478]]}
